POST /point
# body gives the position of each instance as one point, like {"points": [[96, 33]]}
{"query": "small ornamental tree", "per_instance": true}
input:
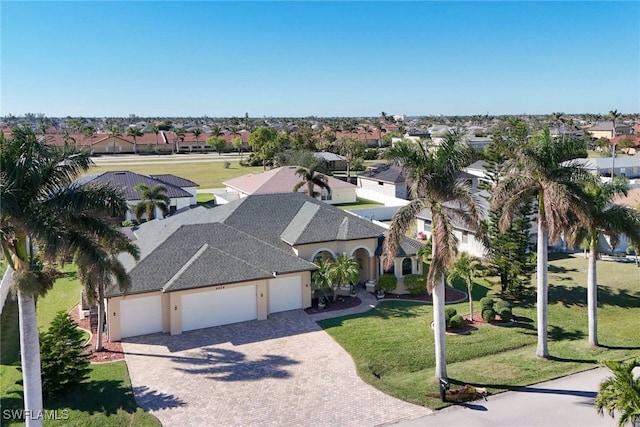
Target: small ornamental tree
{"points": [[63, 364]]}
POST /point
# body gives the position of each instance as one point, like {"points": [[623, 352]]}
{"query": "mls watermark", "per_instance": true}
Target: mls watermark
{"points": [[47, 414]]}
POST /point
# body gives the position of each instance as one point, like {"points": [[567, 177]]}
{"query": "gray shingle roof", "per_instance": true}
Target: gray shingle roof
{"points": [[201, 255], [174, 180], [384, 172], [126, 181]]}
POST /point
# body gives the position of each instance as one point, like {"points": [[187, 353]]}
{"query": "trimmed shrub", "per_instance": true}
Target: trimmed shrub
{"points": [[456, 322], [449, 313], [415, 284], [387, 282], [503, 309], [63, 364], [488, 314], [227, 164], [486, 302]]}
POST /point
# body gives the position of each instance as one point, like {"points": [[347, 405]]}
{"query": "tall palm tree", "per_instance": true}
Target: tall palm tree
{"points": [[156, 130], [620, 393], [538, 173], [197, 132], [603, 218], [134, 132], [43, 207], [150, 199], [113, 132], [465, 267], [89, 132], [433, 184], [614, 116], [179, 137], [97, 276], [311, 178], [344, 271]]}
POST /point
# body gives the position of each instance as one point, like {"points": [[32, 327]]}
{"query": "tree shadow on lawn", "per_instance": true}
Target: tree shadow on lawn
{"points": [[103, 396], [577, 296]]}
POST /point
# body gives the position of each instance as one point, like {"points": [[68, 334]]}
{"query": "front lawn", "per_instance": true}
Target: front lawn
{"points": [[359, 204], [105, 399], [392, 345]]}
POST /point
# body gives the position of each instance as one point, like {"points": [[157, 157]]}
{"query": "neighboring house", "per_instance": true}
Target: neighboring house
{"points": [[240, 261], [334, 161], [478, 143], [182, 192], [605, 130], [622, 166], [283, 179], [101, 143], [384, 178]]}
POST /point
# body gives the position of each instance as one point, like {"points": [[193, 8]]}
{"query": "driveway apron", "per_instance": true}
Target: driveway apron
{"points": [[284, 371]]}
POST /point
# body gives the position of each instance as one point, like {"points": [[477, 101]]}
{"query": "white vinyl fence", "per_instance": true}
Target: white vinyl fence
{"points": [[7, 280]]}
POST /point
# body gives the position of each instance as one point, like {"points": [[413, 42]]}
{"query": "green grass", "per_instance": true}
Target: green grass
{"points": [[105, 399], [206, 174], [395, 342], [359, 204], [205, 198]]}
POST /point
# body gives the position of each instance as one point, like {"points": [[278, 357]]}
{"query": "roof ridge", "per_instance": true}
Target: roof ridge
{"points": [[184, 268]]}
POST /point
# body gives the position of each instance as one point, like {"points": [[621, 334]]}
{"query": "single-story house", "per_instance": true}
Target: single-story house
{"points": [[386, 179], [283, 179], [627, 166], [182, 192], [335, 162], [244, 260]]}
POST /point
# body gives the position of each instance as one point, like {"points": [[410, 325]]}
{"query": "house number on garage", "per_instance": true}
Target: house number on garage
{"points": [[217, 288]]}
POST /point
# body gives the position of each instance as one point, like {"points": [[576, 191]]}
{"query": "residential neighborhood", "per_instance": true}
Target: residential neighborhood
{"points": [[327, 214]]}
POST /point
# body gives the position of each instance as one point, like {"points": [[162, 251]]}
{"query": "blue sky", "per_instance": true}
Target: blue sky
{"points": [[223, 59]]}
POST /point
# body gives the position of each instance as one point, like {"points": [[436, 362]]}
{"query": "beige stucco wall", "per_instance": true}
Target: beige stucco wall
{"points": [[309, 251], [172, 303]]}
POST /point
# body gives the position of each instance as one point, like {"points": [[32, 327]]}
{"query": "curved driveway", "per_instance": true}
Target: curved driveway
{"points": [[284, 371]]}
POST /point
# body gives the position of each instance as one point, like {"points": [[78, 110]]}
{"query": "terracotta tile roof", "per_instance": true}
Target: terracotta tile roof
{"points": [[279, 180], [632, 199]]}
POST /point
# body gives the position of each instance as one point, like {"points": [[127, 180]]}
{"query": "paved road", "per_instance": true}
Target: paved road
{"points": [[565, 402], [284, 371], [128, 160]]}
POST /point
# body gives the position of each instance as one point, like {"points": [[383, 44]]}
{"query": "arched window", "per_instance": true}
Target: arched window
{"points": [[407, 266]]}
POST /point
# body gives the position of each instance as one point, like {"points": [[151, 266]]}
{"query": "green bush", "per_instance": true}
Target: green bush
{"points": [[227, 164], [504, 309], [449, 313], [456, 322], [486, 302], [415, 284], [488, 314], [63, 364], [387, 282]]}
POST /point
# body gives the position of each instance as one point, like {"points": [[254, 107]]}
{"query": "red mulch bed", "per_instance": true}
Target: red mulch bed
{"points": [[450, 295], [111, 350], [340, 304]]}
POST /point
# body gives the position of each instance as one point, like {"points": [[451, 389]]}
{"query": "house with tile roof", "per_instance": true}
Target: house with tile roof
{"points": [[282, 180], [241, 261], [182, 192]]}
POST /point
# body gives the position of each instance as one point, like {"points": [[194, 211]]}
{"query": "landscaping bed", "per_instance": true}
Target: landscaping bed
{"points": [[341, 304], [111, 350]]}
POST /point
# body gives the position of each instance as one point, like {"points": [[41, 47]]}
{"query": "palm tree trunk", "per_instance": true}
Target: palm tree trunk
{"points": [[100, 318], [592, 293], [439, 327], [542, 288], [30, 359], [470, 304]]}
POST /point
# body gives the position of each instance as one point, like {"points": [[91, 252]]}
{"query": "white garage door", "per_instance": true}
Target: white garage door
{"points": [[219, 307], [285, 294], [140, 316]]}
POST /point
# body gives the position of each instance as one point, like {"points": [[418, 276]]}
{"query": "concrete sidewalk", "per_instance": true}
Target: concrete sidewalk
{"points": [[562, 402]]}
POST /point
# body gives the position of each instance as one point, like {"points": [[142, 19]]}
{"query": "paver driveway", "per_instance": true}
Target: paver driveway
{"points": [[284, 371]]}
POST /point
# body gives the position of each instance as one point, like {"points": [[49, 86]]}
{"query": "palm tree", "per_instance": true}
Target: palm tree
{"points": [[433, 184], [465, 268], [344, 270], [197, 132], [97, 276], [179, 137], [614, 116], [311, 178], [134, 132], [537, 173], [41, 205], [322, 279], [89, 132], [150, 199], [156, 131], [113, 132], [603, 218], [620, 393]]}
